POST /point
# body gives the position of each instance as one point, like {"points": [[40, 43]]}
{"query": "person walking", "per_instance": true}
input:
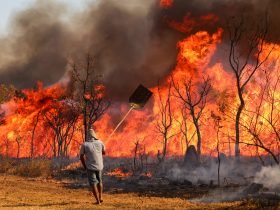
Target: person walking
{"points": [[91, 156]]}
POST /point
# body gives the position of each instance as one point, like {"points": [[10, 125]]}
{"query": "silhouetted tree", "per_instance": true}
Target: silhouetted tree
{"points": [[263, 122], [165, 120], [245, 58], [90, 92], [61, 117], [194, 98]]}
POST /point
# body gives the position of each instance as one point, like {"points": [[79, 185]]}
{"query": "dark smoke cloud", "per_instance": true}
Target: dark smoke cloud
{"points": [[121, 34], [130, 39], [251, 10], [128, 48], [36, 47]]}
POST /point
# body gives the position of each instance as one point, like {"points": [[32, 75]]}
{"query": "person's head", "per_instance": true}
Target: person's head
{"points": [[92, 133]]}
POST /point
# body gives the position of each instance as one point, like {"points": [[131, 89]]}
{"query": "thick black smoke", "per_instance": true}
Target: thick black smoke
{"points": [[130, 45], [120, 34], [36, 47], [130, 39], [251, 10]]}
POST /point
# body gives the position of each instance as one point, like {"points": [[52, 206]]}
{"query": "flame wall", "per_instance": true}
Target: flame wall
{"points": [[178, 39]]}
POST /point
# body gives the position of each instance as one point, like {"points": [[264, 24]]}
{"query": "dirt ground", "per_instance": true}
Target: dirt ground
{"points": [[27, 193]]}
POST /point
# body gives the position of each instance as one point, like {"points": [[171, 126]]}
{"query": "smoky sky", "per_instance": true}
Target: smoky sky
{"points": [[130, 39], [251, 10]]}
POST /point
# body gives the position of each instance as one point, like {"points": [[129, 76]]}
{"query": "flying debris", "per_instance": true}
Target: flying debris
{"points": [[137, 100], [140, 97]]}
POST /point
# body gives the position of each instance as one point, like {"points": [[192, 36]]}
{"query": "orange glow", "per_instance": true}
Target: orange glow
{"points": [[189, 22], [196, 59], [166, 3], [117, 172]]}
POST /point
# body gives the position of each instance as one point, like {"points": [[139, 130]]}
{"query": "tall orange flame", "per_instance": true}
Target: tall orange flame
{"points": [[193, 60]]}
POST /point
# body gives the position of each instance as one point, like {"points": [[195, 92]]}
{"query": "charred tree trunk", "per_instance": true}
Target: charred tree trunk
{"points": [[198, 135], [237, 128], [195, 99], [91, 98], [164, 149], [54, 146], [245, 64], [18, 146], [33, 135], [218, 151], [135, 155], [59, 150], [165, 121]]}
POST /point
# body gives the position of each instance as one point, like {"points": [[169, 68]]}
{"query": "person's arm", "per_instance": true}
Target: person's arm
{"points": [[82, 158], [103, 149]]}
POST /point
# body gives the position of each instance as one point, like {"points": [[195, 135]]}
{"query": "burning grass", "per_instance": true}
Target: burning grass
{"points": [[119, 173]]}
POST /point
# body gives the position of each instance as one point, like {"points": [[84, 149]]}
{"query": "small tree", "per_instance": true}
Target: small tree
{"points": [[185, 128], [195, 99], [217, 120], [35, 123], [61, 117], [165, 120], [245, 58], [139, 155], [18, 141], [90, 92], [263, 121]]}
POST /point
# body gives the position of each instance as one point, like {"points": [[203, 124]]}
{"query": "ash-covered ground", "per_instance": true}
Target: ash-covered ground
{"points": [[245, 179]]}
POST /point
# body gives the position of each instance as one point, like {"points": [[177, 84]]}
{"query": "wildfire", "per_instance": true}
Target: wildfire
{"points": [[24, 127], [117, 172]]}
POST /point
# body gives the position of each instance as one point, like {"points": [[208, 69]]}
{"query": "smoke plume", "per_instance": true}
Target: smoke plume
{"points": [[130, 39], [269, 177], [121, 35], [36, 47]]}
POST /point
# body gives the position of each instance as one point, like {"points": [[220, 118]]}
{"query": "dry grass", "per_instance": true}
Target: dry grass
{"points": [[26, 167], [26, 193]]}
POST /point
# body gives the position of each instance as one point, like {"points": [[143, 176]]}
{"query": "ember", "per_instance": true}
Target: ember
{"points": [[117, 172]]}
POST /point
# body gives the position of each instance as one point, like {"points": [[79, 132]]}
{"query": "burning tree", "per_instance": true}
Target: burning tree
{"points": [[194, 99], [185, 129], [140, 155], [90, 92], [61, 117], [35, 123], [245, 58], [264, 120], [165, 120]]}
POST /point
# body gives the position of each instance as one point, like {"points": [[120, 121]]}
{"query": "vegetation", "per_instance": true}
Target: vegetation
{"points": [[26, 167]]}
